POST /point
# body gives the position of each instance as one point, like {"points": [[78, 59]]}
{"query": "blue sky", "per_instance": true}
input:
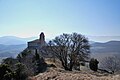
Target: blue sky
{"points": [[27, 18]]}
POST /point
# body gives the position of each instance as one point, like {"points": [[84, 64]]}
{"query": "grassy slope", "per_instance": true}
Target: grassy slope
{"points": [[84, 74]]}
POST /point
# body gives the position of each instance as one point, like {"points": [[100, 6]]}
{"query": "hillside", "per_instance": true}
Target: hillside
{"points": [[85, 73], [59, 74], [111, 46], [11, 50]]}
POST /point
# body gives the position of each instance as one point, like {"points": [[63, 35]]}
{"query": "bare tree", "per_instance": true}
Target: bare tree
{"points": [[70, 49], [111, 63]]}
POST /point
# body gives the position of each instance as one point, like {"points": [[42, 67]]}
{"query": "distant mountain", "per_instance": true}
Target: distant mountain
{"points": [[11, 50], [104, 38], [108, 47], [92, 42], [12, 40], [11, 46], [102, 50]]}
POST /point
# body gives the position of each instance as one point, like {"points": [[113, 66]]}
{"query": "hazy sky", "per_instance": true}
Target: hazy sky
{"points": [[26, 18]]}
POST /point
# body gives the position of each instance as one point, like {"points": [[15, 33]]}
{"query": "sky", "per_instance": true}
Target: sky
{"points": [[27, 18]]}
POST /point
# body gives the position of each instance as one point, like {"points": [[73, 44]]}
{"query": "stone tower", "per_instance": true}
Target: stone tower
{"points": [[42, 39]]}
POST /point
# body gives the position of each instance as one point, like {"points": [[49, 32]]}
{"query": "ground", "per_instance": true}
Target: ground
{"points": [[84, 74], [60, 74]]}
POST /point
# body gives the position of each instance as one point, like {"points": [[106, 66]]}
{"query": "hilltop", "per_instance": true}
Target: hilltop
{"points": [[60, 74]]}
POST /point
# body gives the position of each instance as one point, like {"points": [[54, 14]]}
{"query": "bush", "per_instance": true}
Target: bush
{"points": [[11, 62], [21, 72], [93, 64], [5, 72], [111, 63]]}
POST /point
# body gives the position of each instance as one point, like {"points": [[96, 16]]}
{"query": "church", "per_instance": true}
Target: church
{"points": [[38, 43]]}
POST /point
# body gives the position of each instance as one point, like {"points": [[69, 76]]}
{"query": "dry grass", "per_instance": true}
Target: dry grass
{"points": [[59, 74], [57, 63]]}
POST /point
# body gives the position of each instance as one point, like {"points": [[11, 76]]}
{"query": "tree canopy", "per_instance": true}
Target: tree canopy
{"points": [[70, 49]]}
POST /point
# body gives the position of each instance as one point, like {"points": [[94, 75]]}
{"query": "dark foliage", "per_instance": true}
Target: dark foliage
{"points": [[34, 62], [20, 72], [40, 64], [93, 64], [5, 72], [11, 62]]}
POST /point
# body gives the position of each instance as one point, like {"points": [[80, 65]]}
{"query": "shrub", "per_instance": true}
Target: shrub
{"points": [[21, 72], [93, 64], [5, 72]]}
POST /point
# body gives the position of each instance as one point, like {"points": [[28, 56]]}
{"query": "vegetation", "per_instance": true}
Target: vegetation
{"points": [[5, 72], [93, 64], [70, 49], [21, 72], [26, 64], [39, 63], [33, 61], [111, 63]]}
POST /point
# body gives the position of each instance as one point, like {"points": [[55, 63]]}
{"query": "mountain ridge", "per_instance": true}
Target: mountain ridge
{"points": [[11, 49], [13, 40]]}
